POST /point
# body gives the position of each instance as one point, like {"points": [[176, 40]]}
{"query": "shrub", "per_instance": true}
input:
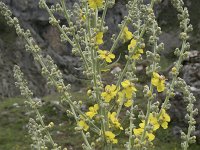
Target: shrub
{"points": [[101, 123]]}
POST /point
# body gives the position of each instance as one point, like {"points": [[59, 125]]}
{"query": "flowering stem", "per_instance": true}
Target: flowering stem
{"points": [[62, 31], [186, 145], [122, 74], [76, 40], [88, 22], [104, 14], [42, 122], [131, 126], [118, 37], [43, 125], [72, 106], [95, 63], [119, 108], [65, 11], [178, 67], [147, 117], [96, 17], [57, 24], [82, 133], [151, 86], [40, 60], [129, 58]]}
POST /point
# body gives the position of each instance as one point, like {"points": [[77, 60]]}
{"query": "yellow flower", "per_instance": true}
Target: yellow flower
{"points": [[139, 131], [89, 92], [132, 44], [120, 97], [126, 35], [92, 111], [110, 93], [99, 38], [129, 88], [128, 103], [114, 120], [150, 136], [111, 137], [154, 122], [164, 119], [95, 3], [106, 55], [158, 81], [83, 125], [137, 52]]}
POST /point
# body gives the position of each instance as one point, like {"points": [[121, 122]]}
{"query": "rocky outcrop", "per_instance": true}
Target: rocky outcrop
{"points": [[12, 48], [32, 17], [191, 74]]}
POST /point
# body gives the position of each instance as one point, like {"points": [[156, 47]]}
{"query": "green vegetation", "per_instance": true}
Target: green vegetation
{"points": [[14, 134]]}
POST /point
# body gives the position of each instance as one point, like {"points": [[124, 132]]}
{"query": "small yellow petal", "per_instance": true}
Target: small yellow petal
{"points": [[150, 136], [160, 87], [128, 103], [155, 81], [99, 38], [164, 125], [95, 3], [138, 131], [125, 83], [132, 44], [156, 75], [83, 125], [141, 51], [112, 56]]}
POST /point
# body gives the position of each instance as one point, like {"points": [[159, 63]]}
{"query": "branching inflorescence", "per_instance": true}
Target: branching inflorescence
{"points": [[85, 32]]}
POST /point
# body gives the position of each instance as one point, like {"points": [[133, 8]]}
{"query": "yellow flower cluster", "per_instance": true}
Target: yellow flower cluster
{"points": [[110, 137], [113, 119], [138, 51], [99, 38], [126, 93], [164, 119], [128, 88], [110, 93], [106, 55], [82, 124], [155, 123], [93, 110], [95, 3], [126, 35], [158, 81], [121, 97], [138, 132]]}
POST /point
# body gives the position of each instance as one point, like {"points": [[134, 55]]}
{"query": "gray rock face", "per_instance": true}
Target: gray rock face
{"points": [[190, 73], [32, 17], [12, 48]]}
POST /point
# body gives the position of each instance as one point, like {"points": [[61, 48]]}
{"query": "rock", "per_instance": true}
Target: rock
{"points": [[16, 105], [176, 130], [190, 73], [36, 19], [116, 70]]}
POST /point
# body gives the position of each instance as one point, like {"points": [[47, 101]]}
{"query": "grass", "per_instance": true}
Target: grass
{"points": [[12, 123], [14, 135]]}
